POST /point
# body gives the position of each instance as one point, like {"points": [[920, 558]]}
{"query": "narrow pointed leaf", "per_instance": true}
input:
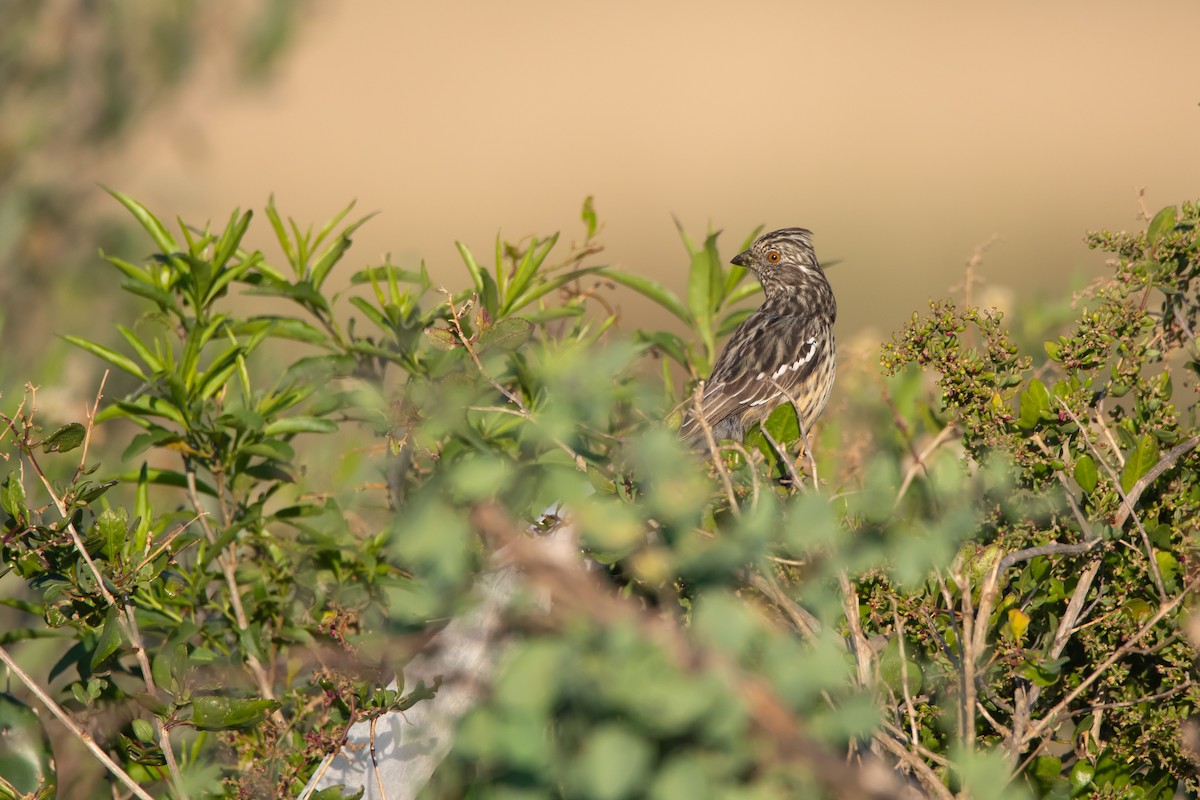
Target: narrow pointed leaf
{"points": [[110, 638], [335, 252], [148, 221], [528, 270], [111, 356], [650, 289], [232, 236], [473, 267], [301, 425]]}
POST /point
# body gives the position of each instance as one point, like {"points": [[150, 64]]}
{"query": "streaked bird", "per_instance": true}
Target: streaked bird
{"points": [[782, 353]]}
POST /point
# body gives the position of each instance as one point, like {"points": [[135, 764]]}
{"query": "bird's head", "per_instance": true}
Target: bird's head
{"points": [[789, 247], [782, 258]]}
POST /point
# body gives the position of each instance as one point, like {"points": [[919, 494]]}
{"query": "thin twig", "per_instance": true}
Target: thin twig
{"points": [[908, 701], [226, 559], [165, 543], [858, 642], [801, 619], [974, 630], [929, 779], [375, 762], [808, 452], [919, 460], [91, 423], [714, 452]]}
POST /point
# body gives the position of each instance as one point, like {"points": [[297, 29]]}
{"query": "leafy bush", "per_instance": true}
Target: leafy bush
{"points": [[977, 586]]}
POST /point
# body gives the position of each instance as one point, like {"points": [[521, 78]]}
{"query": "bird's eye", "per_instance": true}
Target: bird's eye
{"points": [[773, 256]]}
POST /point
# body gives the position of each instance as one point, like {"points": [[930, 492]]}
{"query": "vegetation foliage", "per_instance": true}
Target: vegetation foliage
{"points": [[973, 581]]}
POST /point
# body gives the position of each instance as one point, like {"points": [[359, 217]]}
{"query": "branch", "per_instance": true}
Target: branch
{"points": [[1051, 716], [126, 618], [76, 731], [714, 452], [227, 560]]}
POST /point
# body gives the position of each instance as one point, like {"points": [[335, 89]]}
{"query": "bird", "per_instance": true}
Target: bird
{"points": [[783, 352]]}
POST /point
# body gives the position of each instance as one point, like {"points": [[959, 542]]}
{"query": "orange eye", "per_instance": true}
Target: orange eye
{"points": [[773, 256]]}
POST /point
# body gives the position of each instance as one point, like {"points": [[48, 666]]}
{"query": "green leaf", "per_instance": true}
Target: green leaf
{"points": [[506, 336], [894, 669], [1162, 224], [1043, 673], [65, 439], [783, 425], [1140, 461], [218, 372], [1168, 567], [1046, 769], [588, 215], [554, 312], [139, 347], [12, 497], [166, 477], [543, 288], [212, 713], [526, 271], [614, 763], [169, 667], [148, 221], [111, 356], [301, 425], [649, 289], [282, 328], [26, 757], [390, 272], [1086, 474], [476, 272], [335, 252], [669, 343], [442, 338], [143, 730], [281, 235], [1035, 404], [110, 638], [113, 529], [154, 294], [704, 286], [1082, 774], [134, 273], [372, 313], [230, 239]]}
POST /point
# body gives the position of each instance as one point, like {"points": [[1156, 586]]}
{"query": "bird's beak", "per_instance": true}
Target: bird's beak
{"points": [[742, 259]]}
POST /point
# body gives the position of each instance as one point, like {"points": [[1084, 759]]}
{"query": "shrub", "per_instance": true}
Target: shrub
{"points": [[977, 586]]}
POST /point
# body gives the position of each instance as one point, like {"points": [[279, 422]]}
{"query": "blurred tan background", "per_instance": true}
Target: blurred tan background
{"points": [[903, 134]]}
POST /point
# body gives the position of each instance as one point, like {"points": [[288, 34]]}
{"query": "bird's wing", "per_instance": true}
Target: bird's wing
{"points": [[765, 353]]}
